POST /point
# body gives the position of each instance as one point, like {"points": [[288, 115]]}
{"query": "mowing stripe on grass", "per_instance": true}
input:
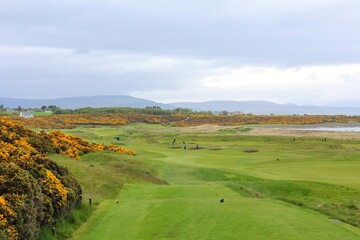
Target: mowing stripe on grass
{"points": [[195, 212]]}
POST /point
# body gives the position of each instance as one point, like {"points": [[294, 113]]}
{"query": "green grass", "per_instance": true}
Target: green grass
{"points": [[283, 190], [101, 176], [42, 113], [235, 130], [194, 212], [335, 201], [66, 225]]}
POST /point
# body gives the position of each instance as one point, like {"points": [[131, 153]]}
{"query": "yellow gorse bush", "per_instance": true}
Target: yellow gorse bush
{"points": [[74, 146], [55, 187], [34, 189], [58, 121]]}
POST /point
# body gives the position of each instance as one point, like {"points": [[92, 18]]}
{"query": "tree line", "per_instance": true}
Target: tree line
{"points": [[154, 110]]}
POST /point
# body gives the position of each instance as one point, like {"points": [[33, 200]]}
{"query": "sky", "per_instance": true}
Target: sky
{"points": [[304, 52]]}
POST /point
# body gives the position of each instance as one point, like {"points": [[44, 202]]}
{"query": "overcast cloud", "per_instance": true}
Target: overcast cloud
{"points": [[304, 52]]}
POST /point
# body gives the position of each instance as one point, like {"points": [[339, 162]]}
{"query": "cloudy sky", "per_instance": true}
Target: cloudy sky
{"points": [[304, 52]]}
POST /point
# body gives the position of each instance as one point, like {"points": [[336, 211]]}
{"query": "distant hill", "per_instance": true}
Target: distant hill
{"points": [[265, 107], [255, 107], [79, 102]]}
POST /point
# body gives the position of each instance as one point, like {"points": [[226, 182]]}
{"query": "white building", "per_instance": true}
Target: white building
{"points": [[26, 115]]}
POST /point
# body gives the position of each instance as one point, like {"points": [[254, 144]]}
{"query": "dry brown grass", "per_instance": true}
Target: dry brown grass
{"points": [[266, 131]]}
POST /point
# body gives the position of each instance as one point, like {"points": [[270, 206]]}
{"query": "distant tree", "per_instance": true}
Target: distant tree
{"points": [[224, 112], [43, 108], [63, 111], [206, 112], [19, 108], [2, 107], [52, 107], [183, 110], [153, 107]]}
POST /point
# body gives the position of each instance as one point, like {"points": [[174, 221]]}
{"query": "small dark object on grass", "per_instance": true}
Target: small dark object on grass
{"points": [[222, 200], [277, 159], [175, 147], [215, 148], [250, 150], [117, 201], [91, 165]]}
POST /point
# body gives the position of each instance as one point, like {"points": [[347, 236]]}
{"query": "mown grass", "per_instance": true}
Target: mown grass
{"points": [[336, 201], [194, 212], [101, 176], [302, 174]]}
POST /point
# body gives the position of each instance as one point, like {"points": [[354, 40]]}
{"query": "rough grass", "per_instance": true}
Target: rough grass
{"points": [[235, 130], [336, 201], [66, 225]]}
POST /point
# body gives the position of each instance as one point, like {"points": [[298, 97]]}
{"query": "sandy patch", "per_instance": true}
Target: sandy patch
{"points": [[266, 131]]}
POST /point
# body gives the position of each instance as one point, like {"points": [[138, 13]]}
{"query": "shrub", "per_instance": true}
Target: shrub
{"points": [[33, 189]]}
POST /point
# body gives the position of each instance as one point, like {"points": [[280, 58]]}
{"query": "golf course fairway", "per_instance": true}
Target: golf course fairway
{"points": [[195, 212], [264, 197]]}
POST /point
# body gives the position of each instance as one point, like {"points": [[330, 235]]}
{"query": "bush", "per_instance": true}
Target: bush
{"points": [[33, 189]]}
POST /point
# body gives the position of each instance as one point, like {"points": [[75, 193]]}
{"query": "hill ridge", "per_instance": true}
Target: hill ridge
{"points": [[249, 106]]}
